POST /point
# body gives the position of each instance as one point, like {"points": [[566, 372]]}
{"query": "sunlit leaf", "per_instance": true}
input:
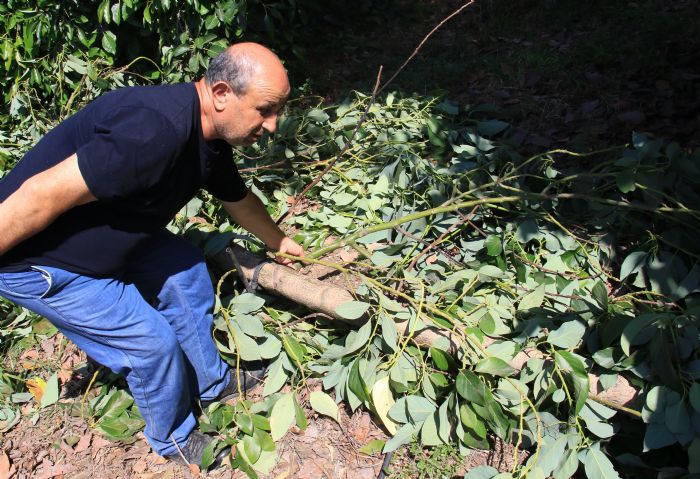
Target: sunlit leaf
{"points": [[322, 403], [282, 416]]}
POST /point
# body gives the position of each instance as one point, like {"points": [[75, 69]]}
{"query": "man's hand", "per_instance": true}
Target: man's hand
{"points": [[289, 246]]}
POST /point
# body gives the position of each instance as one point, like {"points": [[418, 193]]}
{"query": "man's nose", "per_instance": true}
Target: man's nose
{"points": [[270, 123]]}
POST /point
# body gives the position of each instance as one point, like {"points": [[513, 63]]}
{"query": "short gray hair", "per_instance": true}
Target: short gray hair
{"points": [[235, 67]]}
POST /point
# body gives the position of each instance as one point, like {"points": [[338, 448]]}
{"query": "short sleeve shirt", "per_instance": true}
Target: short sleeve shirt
{"points": [[143, 156]]}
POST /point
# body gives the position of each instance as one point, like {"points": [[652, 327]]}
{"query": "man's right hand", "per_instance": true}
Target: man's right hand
{"points": [[289, 246]]}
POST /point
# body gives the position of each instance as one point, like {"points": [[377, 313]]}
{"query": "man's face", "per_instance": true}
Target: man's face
{"points": [[248, 115]]}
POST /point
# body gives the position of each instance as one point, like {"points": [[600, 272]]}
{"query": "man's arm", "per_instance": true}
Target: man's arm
{"points": [[40, 200], [251, 214]]}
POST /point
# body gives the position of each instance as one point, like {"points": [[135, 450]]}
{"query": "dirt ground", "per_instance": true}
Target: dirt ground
{"points": [[58, 442]]}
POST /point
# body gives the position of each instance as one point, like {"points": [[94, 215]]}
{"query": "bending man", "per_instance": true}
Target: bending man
{"points": [[84, 243]]}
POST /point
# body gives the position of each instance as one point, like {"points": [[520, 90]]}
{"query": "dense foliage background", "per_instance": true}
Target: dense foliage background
{"points": [[587, 261]]}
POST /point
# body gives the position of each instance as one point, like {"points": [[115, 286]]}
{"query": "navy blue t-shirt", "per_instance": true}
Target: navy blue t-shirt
{"points": [[143, 156]]}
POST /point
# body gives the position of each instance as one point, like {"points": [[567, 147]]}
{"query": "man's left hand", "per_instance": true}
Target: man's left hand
{"points": [[289, 246]]}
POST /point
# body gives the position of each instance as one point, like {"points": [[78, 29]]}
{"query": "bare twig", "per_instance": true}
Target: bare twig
{"points": [[470, 223], [421, 240], [425, 39], [264, 167], [441, 237]]}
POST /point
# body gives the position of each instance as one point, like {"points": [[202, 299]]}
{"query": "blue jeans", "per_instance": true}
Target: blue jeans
{"points": [[152, 324]]}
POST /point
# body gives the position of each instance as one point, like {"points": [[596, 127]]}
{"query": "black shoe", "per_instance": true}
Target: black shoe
{"points": [[193, 449], [251, 374]]}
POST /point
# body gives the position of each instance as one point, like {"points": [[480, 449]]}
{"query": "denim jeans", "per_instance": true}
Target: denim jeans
{"points": [[152, 324]]}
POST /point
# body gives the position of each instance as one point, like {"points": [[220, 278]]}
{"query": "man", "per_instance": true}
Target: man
{"points": [[84, 243]]}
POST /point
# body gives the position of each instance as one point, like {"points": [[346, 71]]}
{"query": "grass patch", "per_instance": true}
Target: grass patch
{"points": [[417, 462]]}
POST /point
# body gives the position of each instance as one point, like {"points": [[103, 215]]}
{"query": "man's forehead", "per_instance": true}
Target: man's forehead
{"points": [[269, 94]]}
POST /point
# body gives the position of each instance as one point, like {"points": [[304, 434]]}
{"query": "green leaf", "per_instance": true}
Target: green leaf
{"points": [[429, 431], [252, 448], [51, 392], [241, 463], [535, 473], [569, 362], [633, 263], [113, 428], [8, 418], [208, 454], [493, 244], [119, 401], [404, 435], [282, 416], [359, 339], [265, 440], [654, 404], [489, 271], [608, 380], [533, 299], [625, 180], [245, 422], [356, 384], [276, 378], [471, 421], [632, 334], [442, 360], [491, 127], [261, 422], [247, 303], [527, 230], [678, 418], [343, 198], [551, 453], [482, 472], [444, 419], [319, 116], [470, 387], [595, 423], [251, 325], [398, 411], [352, 309], [295, 350], [340, 223], [247, 347], [389, 333], [605, 358], [109, 42], [568, 466], [600, 294], [103, 11], [598, 466], [300, 416], [567, 335], [373, 447], [657, 436], [322, 403], [270, 348], [419, 408], [495, 366]]}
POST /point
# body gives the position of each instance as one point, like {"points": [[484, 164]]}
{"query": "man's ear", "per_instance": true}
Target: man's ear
{"points": [[221, 93]]}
